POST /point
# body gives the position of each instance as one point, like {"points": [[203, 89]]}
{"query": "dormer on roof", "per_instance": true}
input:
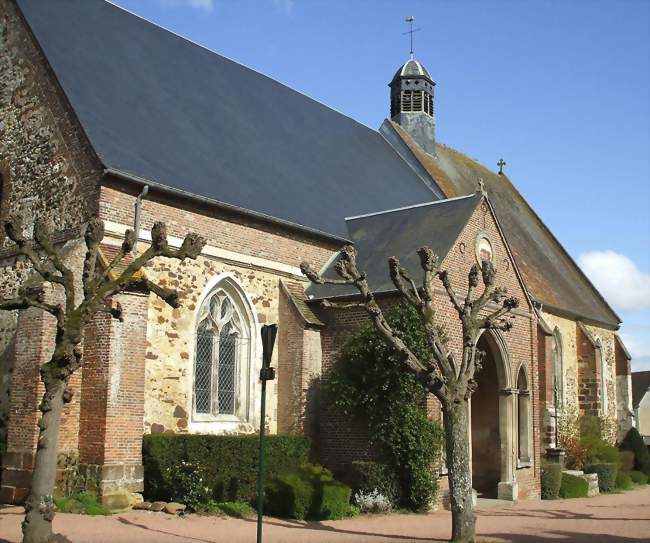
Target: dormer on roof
{"points": [[411, 103]]}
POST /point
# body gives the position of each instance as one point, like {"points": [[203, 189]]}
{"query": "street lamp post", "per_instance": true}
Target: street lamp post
{"points": [[267, 373]]}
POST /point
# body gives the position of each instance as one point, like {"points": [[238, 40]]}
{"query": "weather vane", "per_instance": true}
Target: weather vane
{"points": [[410, 20]]}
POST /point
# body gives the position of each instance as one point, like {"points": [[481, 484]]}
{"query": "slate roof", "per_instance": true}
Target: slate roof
{"points": [[399, 232], [550, 274], [162, 108], [640, 386]]}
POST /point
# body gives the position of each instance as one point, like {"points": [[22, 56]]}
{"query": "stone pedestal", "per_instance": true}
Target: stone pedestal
{"points": [[508, 490], [555, 456]]}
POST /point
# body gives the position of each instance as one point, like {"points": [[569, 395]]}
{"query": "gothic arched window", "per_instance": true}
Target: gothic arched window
{"points": [[222, 356], [558, 369]]}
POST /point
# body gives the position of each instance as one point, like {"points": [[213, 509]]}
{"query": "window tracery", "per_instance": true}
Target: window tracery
{"points": [[222, 357]]}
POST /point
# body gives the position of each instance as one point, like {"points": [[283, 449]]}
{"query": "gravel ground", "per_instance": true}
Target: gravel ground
{"points": [[613, 518]]}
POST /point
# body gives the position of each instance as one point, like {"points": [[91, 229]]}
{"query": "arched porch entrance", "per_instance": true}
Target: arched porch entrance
{"points": [[492, 417]]}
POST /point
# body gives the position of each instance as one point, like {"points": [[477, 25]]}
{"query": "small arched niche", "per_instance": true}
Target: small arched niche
{"points": [[523, 418]]}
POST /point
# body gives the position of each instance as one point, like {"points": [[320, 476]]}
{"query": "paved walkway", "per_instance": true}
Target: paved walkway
{"points": [[614, 518]]}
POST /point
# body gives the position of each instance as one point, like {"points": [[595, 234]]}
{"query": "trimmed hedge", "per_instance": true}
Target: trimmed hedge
{"points": [[551, 481], [227, 464], [606, 475], [639, 477], [309, 492], [623, 481], [573, 487], [634, 442], [368, 476]]}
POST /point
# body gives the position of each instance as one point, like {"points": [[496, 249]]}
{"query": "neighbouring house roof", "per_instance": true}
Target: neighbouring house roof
{"points": [[400, 233], [640, 386], [550, 274], [157, 106]]}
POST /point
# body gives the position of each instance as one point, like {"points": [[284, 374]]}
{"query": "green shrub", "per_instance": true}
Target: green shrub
{"points": [[606, 475], [230, 509], [186, 484], [81, 504], [369, 476], [627, 460], [227, 465], [623, 481], [638, 477], [573, 487], [599, 451], [367, 382], [309, 492], [634, 442], [590, 426], [551, 480]]}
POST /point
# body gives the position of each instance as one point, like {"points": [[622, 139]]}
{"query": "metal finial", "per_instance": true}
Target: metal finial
{"points": [[501, 164], [410, 20]]}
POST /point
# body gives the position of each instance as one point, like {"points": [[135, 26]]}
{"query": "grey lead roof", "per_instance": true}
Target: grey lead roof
{"points": [[157, 106], [412, 68], [400, 233]]}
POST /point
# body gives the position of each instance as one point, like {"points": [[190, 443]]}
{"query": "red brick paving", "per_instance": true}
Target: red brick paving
{"points": [[614, 518]]}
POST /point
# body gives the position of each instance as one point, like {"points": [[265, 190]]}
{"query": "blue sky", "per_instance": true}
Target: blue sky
{"points": [[559, 89]]}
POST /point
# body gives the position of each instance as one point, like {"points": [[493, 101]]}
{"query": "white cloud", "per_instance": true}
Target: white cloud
{"points": [[286, 5], [207, 5], [618, 279]]}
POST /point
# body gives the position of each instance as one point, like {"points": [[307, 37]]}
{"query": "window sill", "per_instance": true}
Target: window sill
{"points": [[522, 464]]}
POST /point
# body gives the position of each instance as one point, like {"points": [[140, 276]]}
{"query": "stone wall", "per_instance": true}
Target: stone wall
{"points": [[582, 369], [46, 166], [253, 256]]}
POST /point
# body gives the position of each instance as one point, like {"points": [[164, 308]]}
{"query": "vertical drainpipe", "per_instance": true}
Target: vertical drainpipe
{"points": [[138, 213]]}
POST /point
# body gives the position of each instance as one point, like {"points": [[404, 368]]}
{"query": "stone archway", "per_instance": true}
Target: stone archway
{"points": [[492, 418]]}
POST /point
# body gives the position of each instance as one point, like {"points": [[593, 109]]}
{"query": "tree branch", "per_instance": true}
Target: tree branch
{"points": [[398, 275], [444, 277], [341, 305], [13, 229]]}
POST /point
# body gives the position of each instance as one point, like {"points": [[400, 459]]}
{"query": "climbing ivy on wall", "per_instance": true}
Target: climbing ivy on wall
{"points": [[367, 382]]}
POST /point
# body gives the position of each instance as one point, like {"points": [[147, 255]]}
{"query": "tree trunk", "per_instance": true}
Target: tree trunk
{"points": [[463, 520], [39, 507]]}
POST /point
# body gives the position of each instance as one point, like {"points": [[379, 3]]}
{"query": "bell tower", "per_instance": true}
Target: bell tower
{"points": [[411, 103]]}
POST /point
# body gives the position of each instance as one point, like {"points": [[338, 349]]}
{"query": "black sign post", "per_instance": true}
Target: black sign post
{"points": [[267, 373]]}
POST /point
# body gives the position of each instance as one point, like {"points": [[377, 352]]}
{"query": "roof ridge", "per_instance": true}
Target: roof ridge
{"points": [[404, 208], [206, 48]]}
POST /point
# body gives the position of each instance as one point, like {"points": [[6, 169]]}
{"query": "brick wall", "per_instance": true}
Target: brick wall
{"points": [[342, 442], [223, 230]]}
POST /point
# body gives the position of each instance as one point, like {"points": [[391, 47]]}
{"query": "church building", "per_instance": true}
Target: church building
{"points": [[98, 104]]}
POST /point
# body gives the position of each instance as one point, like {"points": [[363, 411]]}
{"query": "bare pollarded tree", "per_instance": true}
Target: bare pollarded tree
{"points": [[447, 377], [72, 314]]}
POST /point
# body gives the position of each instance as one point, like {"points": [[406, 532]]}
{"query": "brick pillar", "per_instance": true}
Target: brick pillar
{"points": [[112, 402], [34, 342], [299, 369]]}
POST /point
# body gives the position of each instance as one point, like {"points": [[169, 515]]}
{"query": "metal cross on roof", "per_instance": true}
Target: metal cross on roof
{"points": [[501, 164], [410, 19]]}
